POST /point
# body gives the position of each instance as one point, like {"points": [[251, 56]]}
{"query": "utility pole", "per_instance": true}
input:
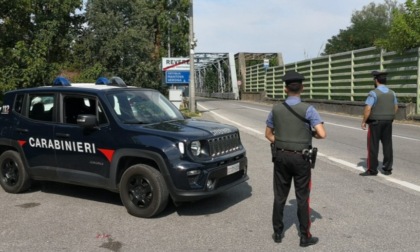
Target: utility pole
{"points": [[192, 70]]}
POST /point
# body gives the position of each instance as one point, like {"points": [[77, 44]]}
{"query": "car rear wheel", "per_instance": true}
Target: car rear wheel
{"points": [[143, 191], [13, 176]]}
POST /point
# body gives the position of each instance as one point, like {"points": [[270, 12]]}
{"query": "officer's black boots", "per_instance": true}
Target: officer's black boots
{"points": [[308, 241], [368, 173], [277, 237], [387, 172]]}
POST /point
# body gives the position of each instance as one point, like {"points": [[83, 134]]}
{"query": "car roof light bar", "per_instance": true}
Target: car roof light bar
{"points": [[61, 81], [102, 81]]}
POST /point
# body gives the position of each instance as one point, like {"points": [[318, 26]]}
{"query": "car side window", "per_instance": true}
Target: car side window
{"points": [[18, 104], [81, 105], [41, 107]]}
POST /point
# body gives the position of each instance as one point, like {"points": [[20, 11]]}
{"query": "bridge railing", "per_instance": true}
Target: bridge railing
{"points": [[344, 76]]}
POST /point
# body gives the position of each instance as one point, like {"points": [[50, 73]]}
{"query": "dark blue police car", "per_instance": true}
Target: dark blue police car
{"points": [[128, 140]]}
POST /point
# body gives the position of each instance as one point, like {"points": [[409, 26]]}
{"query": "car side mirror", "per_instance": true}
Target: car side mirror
{"points": [[87, 121]]}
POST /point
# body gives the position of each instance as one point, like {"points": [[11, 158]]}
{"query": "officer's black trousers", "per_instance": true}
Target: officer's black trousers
{"points": [[379, 131], [287, 167]]}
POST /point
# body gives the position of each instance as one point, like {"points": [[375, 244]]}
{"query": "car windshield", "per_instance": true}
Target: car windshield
{"points": [[143, 107]]}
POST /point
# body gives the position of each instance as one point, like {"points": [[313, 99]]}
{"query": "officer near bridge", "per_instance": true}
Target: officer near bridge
{"points": [[379, 113], [290, 128]]}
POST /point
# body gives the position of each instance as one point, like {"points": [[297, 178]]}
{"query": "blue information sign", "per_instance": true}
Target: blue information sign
{"points": [[177, 77]]}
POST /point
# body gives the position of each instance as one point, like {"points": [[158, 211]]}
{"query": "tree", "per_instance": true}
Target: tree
{"points": [[368, 25], [36, 35], [175, 24], [128, 38], [404, 33], [43, 38]]}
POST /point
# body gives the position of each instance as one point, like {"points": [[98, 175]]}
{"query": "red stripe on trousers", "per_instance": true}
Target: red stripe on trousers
{"points": [[368, 148], [308, 232]]}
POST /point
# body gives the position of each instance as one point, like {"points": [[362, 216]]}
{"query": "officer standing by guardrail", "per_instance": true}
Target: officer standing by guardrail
{"points": [[379, 113], [289, 130]]}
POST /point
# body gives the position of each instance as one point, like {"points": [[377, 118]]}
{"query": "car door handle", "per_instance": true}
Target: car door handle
{"points": [[63, 135], [22, 130]]}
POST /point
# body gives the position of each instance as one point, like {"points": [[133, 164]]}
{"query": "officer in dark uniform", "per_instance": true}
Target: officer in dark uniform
{"points": [[291, 135], [379, 113]]}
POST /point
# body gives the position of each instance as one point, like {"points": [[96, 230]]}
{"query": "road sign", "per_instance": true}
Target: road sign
{"points": [[177, 77], [175, 64]]}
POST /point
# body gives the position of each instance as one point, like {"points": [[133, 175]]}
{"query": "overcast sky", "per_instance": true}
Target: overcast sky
{"points": [[299, 29]]}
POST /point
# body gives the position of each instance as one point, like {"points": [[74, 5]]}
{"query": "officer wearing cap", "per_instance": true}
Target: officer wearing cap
{"points": [[379, 113], [290, 136]]}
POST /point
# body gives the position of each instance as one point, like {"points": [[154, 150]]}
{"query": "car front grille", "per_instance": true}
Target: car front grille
{"points": [[224, 144]]}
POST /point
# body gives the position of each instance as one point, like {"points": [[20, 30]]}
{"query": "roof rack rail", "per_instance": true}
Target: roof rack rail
{"points": [[117, 81]]}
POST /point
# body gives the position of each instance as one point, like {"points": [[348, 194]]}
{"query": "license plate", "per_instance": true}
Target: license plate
{"points": [[232, 168]]}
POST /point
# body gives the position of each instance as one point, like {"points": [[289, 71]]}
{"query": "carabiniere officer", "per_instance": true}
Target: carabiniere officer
{"points": [[379, 113], [291, 135]]}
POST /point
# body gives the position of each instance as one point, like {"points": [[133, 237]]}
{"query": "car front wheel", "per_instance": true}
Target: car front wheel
{"points": [[143, 191]]}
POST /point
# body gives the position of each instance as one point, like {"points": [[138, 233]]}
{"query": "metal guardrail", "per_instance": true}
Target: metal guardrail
{"points": [[344, 76]]}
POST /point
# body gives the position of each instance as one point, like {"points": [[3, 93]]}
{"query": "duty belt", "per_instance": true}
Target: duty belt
{"points": [[290, 151]]}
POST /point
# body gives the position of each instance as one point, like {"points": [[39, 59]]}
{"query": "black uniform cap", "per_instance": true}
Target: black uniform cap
{"points": [[292, 77], [379, 74]]}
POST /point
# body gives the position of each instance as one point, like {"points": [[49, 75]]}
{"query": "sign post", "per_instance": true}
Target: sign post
{"points": [[192, 71]]}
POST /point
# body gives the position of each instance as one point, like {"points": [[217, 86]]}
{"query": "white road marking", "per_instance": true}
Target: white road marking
{"points": [[233, 122], [354, 128], [268, 111], [393, 180], [343, 126]]}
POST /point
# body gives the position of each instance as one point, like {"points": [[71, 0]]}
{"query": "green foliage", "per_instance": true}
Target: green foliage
{"points": [[41, 39], [368, 25], [405, 29], [27, 65], [36, 35], [189, 114], [128, 38], [91, 74], [173, 24], [113, 38]]}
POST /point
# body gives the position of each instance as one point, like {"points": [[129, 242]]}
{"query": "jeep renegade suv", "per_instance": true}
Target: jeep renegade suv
{"points": [[128, 140]]}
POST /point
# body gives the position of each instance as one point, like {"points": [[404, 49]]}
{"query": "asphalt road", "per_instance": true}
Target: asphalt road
{"points": [[349, 212]]}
